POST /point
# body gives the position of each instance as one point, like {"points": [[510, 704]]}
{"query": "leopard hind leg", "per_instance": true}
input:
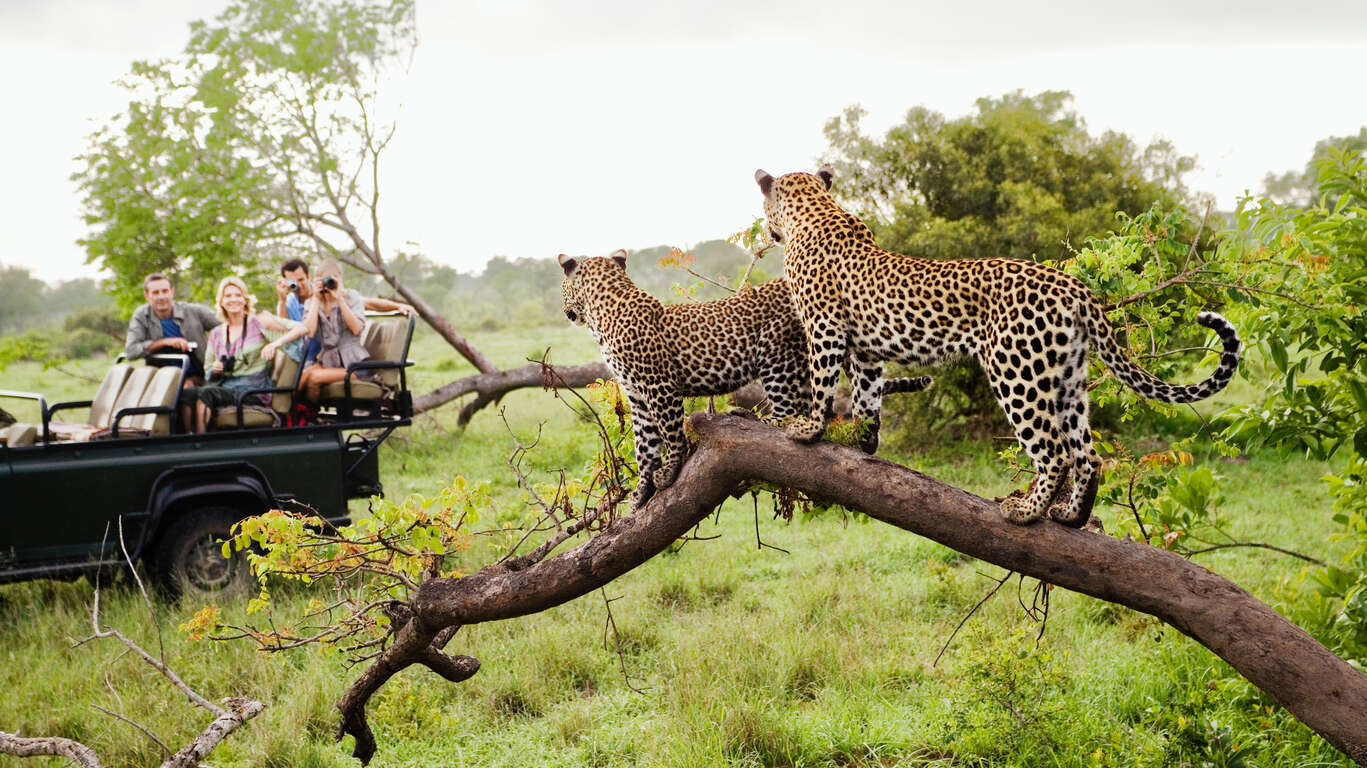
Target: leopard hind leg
{"points": [[1076, 509], [788, 384], [1018, 389], [866, 400]]}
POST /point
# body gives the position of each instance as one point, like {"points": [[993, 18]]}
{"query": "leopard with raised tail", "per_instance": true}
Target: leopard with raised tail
{"points": [[1027, 324]]}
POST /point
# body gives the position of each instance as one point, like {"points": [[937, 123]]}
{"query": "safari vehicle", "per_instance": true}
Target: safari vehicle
{"points": [[125, 485]]}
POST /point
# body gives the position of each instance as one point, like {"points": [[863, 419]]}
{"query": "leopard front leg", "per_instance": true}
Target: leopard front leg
{"points": [[646, 436], [826, 355], [671, 415]]}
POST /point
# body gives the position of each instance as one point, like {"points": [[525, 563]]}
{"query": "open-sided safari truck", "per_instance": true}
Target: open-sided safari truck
{"points": [[75, 494]]}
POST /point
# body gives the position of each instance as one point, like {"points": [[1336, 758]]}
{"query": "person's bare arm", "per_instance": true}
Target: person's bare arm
{"points": [[377, 304], [355, 322]]}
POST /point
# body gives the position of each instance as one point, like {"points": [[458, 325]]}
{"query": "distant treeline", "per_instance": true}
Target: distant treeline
{"points": [[507, 293], [27, 302], [526, 292]]}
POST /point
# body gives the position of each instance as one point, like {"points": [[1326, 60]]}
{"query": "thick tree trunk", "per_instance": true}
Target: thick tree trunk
{"points": [[1316, 686]]}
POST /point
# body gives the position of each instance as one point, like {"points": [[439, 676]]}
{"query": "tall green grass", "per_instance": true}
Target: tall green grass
{"points": [[727, 653]]}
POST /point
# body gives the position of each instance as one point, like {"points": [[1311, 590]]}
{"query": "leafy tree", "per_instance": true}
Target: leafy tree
{"points": [[1319, 350], [262, 139], [1021, 177], [21, 298], [1300, 187]]}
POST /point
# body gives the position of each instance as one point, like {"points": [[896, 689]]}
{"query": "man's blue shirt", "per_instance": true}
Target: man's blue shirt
{"points": [[295, 309]]}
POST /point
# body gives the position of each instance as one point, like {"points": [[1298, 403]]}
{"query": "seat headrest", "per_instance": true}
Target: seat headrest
{"points": [[102, 404], [21, 434]]}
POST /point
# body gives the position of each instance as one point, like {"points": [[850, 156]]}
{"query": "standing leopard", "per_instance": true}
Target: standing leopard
{"points": [[661, 354], [1027, 324]]}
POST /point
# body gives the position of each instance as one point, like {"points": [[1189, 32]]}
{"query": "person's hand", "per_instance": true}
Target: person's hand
{"points": [[174, 342], [406, 309], [282, 288], [268, 351], [216, 368]]}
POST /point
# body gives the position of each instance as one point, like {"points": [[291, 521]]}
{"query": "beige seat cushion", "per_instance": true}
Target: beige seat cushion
{"points": [[131, 394], [360, 390], [102, 404], [19, 434], [252, 416], [284, 374], [384, 339], [161, 391]]}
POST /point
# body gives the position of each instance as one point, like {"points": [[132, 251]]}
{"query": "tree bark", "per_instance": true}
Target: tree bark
{"points": [[492, 386], [1316, 686]]}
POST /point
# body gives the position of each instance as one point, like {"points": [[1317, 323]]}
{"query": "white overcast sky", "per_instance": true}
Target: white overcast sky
{"points": [[533, 127]]}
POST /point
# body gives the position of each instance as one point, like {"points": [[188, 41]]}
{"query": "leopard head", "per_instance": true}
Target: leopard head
{"points": [[778, 194], [584, 279]]}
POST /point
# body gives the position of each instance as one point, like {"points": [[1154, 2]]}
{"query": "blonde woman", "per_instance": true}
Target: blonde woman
{"points": [[238, 356]]}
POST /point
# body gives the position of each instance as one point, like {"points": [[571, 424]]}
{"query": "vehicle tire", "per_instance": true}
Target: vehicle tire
{"points": [[189, 560]]}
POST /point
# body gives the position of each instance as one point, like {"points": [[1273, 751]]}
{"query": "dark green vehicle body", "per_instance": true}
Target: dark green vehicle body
{"points": [[64, 503]]}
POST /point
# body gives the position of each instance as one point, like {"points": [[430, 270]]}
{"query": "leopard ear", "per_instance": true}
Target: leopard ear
{"points": [[620, 256], [765, 181], [826, 174], [567, 264]]}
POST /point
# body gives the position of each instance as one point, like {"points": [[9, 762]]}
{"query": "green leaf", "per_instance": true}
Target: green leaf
{"points": [[1278, 350]]}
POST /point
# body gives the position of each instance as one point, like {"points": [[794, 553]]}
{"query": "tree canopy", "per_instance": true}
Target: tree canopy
{"points": [[1020, 177], [260, 140]]}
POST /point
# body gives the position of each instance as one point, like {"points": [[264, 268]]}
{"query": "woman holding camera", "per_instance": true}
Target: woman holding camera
{"points": [[336, 318], [241, 353]]}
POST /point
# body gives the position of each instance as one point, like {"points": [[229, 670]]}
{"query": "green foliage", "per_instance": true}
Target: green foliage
{"points": [[1021, 177], [1319, 354], [233, 154], [1009, 698], [1302, 188]]}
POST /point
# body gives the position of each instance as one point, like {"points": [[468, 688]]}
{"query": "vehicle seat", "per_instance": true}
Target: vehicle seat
{"points": [[285, 378], [19, 434], [101, 406], [385, 338], [162, 391]]}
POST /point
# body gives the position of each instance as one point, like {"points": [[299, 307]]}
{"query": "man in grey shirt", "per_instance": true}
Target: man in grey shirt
{"points": [[164, 324]]}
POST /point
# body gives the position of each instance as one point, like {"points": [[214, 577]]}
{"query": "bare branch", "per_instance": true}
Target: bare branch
{"points": [[54, 746]]}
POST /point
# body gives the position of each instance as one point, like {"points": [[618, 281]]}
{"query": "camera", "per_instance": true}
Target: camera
{"points": [[228, 362], [293, 285], [329, 283]]}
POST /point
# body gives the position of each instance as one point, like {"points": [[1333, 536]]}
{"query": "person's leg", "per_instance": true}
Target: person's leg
{"points": [[316, 378]]}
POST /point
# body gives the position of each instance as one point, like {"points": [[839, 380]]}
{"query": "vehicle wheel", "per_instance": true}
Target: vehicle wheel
{"points": [[190, 562]]}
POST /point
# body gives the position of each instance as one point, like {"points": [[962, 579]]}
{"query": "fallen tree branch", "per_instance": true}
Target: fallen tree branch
{"points": [[489, 387], [1316, 686]]}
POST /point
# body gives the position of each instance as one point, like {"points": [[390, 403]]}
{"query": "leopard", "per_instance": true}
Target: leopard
{"points": [[661, 353], [1029, 326]]}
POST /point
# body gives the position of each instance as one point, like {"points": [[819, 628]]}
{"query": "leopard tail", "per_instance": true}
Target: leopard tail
{"points": [[1115, 357], [904, 385]]}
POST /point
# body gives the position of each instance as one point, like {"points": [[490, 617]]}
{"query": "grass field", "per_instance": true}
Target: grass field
{"points": [[727, 654]]}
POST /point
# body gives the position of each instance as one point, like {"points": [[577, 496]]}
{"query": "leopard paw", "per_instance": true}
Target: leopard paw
{"points": [[644, 491], [1019, 510], [804, 430], [665, 476], [1063, 512]]}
